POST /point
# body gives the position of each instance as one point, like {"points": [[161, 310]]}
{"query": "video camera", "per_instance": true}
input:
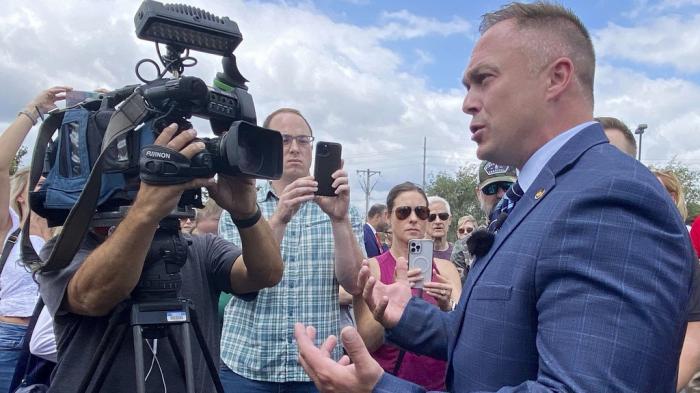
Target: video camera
{"points": [[240, 148]]}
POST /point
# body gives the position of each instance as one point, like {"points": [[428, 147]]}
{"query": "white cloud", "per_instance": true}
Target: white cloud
{"points": [[667, 105], [670, 40], [404, 25], [352, 88]]}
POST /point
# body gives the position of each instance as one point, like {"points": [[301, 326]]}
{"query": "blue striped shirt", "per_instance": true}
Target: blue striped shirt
{"points": [[257, 340]]}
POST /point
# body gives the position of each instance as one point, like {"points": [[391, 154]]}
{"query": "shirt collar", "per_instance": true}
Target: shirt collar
{"points": [[537, 161], [265, 191], [371, 227]]}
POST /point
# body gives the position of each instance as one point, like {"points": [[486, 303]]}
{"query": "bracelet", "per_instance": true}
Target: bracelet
{"points": [[33, 120], [250, 221]]}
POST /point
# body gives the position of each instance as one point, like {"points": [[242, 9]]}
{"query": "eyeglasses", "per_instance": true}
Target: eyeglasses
{"points": [[492, 188], [462, 231], [402, 212], [443, 216], [302, 140]]}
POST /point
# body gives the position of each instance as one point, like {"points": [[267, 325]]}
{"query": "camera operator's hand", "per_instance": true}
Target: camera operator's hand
{"points": [[156, 202], [235, 195], [297, 192], [337, 207]]}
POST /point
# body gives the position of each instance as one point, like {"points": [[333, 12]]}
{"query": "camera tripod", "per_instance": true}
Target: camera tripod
{"points": [[154, 313]]}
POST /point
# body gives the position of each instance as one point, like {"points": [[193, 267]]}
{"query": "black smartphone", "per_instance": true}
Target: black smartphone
{"points": [[327, 161]]}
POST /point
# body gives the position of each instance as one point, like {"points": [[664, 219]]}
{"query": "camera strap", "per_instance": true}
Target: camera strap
{"points": [[129, 114]]}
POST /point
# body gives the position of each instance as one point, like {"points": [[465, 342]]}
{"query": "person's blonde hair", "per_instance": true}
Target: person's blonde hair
{"points": [[675, 188], [18, 185], [466, 218]]}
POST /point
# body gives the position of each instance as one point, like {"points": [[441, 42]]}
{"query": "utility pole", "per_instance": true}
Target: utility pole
{"points": [[365, 185], [640, 131], [425, 140]]}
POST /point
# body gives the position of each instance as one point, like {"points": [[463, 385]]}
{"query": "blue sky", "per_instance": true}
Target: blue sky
{"points": [[376, 76]]}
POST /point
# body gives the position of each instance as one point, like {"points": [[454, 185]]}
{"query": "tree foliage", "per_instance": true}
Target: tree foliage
{"points": [[458, 190], [18, 159], [690, 180]]}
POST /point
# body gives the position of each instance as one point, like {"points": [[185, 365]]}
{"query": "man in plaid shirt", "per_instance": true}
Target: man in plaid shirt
{"points": [[320, 241]]}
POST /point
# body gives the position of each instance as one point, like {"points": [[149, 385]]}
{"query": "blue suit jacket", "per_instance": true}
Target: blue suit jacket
{"points": [[584, 290], [371, 246]]}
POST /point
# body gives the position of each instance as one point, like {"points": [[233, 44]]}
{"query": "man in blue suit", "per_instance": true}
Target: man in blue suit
{"points": [[376, 222], [586, 284]]}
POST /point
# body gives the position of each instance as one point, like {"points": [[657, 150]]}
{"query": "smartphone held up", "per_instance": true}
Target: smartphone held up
{"points": [[420, 256], [326, 162]]}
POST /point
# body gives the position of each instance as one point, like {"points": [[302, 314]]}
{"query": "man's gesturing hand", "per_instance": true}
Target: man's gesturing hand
{"points": [[386, 302], [330, 377]]}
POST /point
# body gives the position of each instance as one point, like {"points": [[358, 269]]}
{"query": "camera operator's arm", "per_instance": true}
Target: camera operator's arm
{"points": [[112, 270], [348, 254], [260, 265], [14, 135]]}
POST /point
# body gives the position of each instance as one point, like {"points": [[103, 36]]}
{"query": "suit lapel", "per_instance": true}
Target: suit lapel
{"points": [[542, 186]]}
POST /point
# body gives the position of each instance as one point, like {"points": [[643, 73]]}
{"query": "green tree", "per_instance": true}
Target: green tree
{"points": [[14, 165], [690, 180], [458, 190]]}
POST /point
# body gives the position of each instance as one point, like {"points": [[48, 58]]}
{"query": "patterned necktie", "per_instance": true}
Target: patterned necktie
{"points": [[505, 206]]}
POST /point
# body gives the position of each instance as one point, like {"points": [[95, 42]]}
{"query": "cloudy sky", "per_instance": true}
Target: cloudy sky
{"points": [[376, 76]]}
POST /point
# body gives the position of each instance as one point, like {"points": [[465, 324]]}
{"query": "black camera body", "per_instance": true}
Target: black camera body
{"points": [[242, 149]]}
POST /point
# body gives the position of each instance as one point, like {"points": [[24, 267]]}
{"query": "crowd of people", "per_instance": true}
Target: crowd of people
{"points": [[582, 278]]}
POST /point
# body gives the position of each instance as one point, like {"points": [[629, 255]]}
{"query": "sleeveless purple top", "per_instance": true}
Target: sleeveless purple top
{"points": [[422, 370]]}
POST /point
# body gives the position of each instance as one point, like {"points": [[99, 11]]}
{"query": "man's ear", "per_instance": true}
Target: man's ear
{"points": [[560, 75]]}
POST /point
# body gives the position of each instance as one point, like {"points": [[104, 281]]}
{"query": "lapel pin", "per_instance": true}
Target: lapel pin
{"points": [[539, 193]]}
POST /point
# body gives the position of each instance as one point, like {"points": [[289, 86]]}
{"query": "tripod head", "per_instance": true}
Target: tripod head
{"points": [[161, 279]]}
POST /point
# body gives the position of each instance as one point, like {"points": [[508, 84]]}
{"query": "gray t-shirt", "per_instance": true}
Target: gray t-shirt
{"points": [[204, 276]]}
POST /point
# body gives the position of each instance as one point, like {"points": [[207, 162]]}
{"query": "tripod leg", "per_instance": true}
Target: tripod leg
{"points": [[103, 352], [205, 350], [189, 370], [138, 359], [176, 351]]}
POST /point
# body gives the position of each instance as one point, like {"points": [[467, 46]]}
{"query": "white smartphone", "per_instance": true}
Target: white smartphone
{"points": [[420, 255]]}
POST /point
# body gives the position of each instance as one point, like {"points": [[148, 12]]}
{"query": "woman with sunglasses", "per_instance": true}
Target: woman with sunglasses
{"points": [[408, 215]]}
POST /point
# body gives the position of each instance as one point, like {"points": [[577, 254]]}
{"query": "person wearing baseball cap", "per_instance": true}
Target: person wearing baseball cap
{"points": [[494, 181]]}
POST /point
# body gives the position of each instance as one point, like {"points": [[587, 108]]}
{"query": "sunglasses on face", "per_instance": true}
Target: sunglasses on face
{"points": [[402, 212], [443, 216], [462, 231], [493, 188], [302, 140]]}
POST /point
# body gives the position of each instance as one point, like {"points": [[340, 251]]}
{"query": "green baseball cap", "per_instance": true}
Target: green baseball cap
{"points": [[493, 173]]}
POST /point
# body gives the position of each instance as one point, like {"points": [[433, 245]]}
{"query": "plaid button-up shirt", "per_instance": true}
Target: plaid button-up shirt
{"points": [[257, 341]]}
